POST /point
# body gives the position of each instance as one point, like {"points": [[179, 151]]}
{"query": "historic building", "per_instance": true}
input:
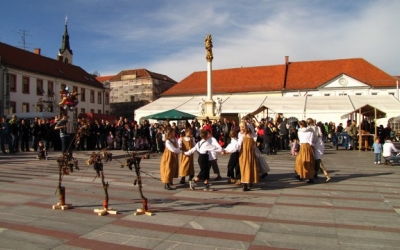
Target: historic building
{"points": [[131, 89], [31, 82], [325, 90]]}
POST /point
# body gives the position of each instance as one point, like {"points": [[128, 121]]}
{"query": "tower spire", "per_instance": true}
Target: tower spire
{"points": [[65, 52]]}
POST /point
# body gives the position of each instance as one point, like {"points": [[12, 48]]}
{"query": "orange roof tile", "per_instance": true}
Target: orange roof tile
{"points": [[300, 76], [141, 73], [104, 78], [249, 79], [21, 59]]}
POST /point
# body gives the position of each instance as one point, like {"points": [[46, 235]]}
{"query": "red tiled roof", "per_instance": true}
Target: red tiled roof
{"points": [[300, 76], [13, 57], [313, 74], [250, 79], [141, 73], [104, 78]]}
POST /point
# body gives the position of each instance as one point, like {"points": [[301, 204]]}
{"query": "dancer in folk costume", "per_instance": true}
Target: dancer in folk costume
{"points": [[169, 166], [248, 161], [262, 164], [305, 159], [202, 147], [186, 167], [212, 156], [233, 148]]}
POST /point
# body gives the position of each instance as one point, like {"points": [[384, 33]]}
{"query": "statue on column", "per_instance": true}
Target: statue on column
{"points": [[202, 106], [208, 42], [218, 106]]}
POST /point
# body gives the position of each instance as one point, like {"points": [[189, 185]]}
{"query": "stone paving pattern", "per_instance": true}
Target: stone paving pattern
{"points": [[358, 209]]}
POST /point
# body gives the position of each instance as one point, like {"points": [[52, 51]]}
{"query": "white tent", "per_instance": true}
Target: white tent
{"points": [[321, 108]]}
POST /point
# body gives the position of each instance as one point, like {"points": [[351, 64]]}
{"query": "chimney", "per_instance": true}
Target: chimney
{"points": [[286, 60], [36, 51]]}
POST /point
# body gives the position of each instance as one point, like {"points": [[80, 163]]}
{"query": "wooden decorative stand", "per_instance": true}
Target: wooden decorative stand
{"points": [[66, 164], [95, 160], [135, 161]]}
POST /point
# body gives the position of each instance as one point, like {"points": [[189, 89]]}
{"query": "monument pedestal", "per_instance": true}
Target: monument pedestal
{"points": [[209, 111]]}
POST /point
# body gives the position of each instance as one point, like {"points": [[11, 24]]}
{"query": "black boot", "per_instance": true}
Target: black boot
{"points": [[246, 187], [167, 186], [182, 180]]}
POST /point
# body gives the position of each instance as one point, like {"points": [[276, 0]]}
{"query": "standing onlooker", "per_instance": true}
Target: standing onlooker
{"points": [[35, 133], [305, 160], [284, 134], [25, 133], [64, 136], [225, 129], [351, 130], [14, 135], [268, 138], [377, 146], [5, 134]]}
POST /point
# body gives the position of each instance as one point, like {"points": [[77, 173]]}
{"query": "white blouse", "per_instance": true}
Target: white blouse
{"points": [[306, 135], [171, 146], [212, 155], [203, 149], [233, 147]]}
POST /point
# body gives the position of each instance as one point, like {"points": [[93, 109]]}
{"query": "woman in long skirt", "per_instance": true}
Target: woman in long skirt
{"points": [[186, 166], [248, 161], [169, 162], [305, 160]]}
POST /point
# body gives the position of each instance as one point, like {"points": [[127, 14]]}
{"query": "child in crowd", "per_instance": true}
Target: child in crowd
{"points": [[377, 146], [295, 147], [186, 167], [42, 152], [110, 141]]}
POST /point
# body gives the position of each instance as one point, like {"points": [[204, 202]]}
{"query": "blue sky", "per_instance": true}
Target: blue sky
{"points": [[167, 36]]}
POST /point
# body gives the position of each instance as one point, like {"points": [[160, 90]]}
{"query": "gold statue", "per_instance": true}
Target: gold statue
{"points": [[209, 54]]}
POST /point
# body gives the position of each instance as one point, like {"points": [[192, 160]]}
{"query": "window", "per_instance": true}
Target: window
{"points": [[39, 108], [50, 88], [107, 98], [25, 85], [107, 113], [63, 86], [91, 96], [391, 93], [12, 79], [25, 107], [98, 111], [83, 111], [13, 107], [374, 93], [92, 111], [99, 97], [39, 87], [327, 94], [342, 94], [83, 95], [295, 95], [358, 93]]}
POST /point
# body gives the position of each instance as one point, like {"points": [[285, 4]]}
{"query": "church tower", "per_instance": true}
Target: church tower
{"points": [[65, 52]]}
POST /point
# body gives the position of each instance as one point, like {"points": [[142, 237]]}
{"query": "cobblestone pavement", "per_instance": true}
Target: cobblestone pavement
{"points": [[358, 209]]}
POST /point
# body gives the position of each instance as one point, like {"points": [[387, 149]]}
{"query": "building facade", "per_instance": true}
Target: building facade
{"points": [[31, 82]]}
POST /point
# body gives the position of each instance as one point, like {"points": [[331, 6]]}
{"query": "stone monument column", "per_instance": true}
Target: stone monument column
{"points": [[209, 103]]}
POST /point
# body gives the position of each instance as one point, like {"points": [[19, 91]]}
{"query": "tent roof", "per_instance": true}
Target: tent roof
{"points": [[171, 114], [367, 110]]}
